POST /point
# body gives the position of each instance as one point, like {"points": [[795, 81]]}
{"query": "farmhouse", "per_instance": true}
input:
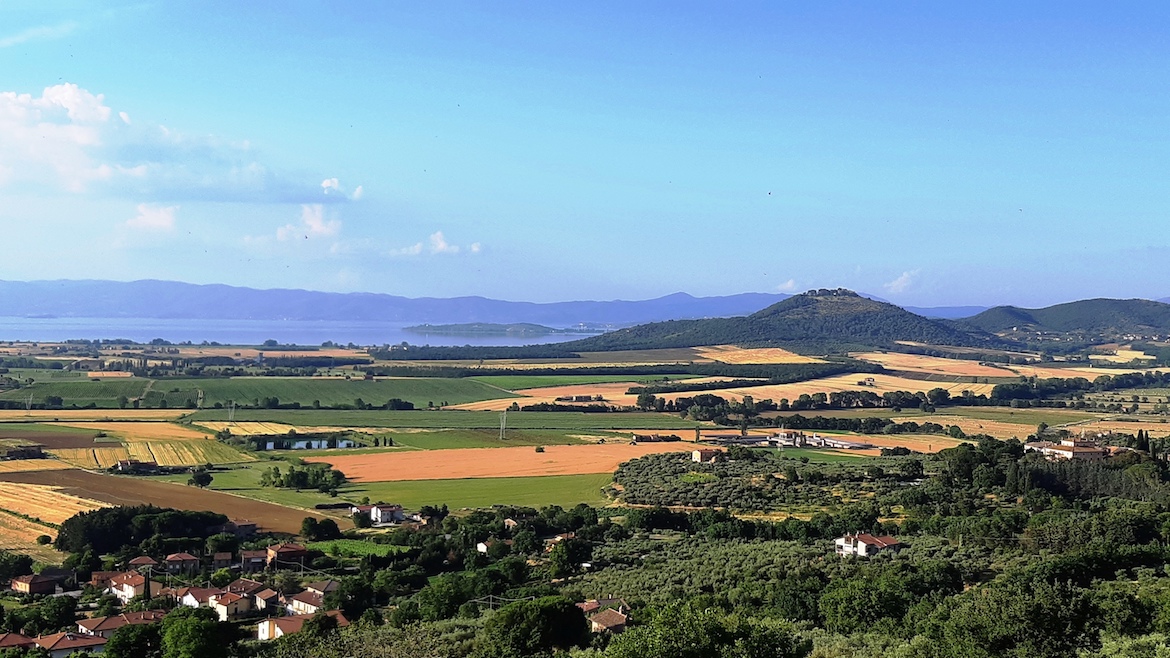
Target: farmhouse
{"points": [[1069, 449], [270, 629], [305, 603], [865, 545], [135, 466], [181, 563], [608, 621], [286, 554], [143, 562], [706, 456], [34, 584]]}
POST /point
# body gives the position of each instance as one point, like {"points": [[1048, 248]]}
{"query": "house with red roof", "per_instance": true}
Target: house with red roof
{"points": [[270, 629], [865, 545], [105, 626], [61, 645]]}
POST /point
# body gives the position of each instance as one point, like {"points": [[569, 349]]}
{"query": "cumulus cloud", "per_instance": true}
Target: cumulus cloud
{"points": [[903, 282], [313, 225], [436, 243], [475, 247], [787, 286], [413, 250], [153, 218], [439, 244], [332, 186], [40, 33], [68, 138]]}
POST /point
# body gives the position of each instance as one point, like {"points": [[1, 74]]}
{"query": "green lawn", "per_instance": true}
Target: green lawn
{"points": [[519, 382], [564, 490], [454, 419]]}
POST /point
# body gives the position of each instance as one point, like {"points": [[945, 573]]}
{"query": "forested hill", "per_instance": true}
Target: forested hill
{"points": [[1090, 316], [817, 321]]}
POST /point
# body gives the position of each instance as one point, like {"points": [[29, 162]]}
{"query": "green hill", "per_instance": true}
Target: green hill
{"points": [[818, 321], [1099, 317]]}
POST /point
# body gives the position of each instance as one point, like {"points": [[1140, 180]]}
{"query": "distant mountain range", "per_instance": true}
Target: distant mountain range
{"points": [[1093, 316]]}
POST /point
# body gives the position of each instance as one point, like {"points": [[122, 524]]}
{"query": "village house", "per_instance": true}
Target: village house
{"points": [[61, 645], [271, 629], [101, 579], [221, 561], [126, 586], [229, 605], [608, 621], [865, 545], [305, 603], [15, 641], [196, 597], [1069, 449], [253, 561], [143, 562], [34, 584], [105, 626], [286, 555], [485, 546], [182, 563], [387, 513]]}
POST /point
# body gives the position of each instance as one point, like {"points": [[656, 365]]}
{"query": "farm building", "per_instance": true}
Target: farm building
{"points": [[706, 456], [34, 584], [608, 621], [1069, 449], [271, 629], [865, 545]]}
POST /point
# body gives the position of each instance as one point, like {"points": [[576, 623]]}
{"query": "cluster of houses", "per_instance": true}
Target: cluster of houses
{"points": [[380, 513], [1069, 449], [785, 438]]}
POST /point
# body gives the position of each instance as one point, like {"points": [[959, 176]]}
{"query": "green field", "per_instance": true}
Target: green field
{"points": [[103, 393], [520, 382], [564, 490], [458, 438], [355, 548], [452, 419], [1004, 414]]}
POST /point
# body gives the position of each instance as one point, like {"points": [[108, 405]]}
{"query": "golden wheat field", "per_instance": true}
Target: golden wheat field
{"points": [[140, 431], [1154, 428], [1122, 356], [998, 429], [20, 535], [932, 364], [28, 465], [251, 428], [43, 502], [881, 384], [91, 458], [733, 354]]}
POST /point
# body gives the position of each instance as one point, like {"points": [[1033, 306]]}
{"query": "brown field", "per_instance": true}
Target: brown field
{"points": [[25, 465], [48, 439], [35, 415], [882, 384], [109, 374], [1122, 356], [997, 428], [43, 502], [116, 490], [492, 462], [139, 431], [1089, 373], [1154, 428], [733, 354], [916, 442], [932, 364], [20, 535]]}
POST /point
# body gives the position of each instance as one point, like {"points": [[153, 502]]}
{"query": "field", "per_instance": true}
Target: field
{"points": [[492, 462], [164, 453], [518, 382], [613, 393], [332, 391], [20, 536], [1123, 356], [354, 548], [47, 415], [882, 384], [81, 392], [451, 419], [933, 365], [25, 465], [50, 436], [139, 431], [563, 490], [733, 354], [43, 502], [117, 490]]}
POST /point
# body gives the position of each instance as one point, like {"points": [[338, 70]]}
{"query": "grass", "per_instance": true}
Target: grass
{"points": [[41, 427], [564, 490], [453, 419], [458, 438], [103, 392], [519, 382], [355, 548]]}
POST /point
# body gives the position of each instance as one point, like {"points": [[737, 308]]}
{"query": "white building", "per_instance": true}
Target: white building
{"points": [[864, 545]]}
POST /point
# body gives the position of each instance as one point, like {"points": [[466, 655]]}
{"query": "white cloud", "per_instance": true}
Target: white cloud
{"points": [[67, 138], [153, 218], [42, 32], [787, 286], [357, 193], [413, 250], [333, 187], [313, 225], [439, 244], [903, 282], [475, 247]]}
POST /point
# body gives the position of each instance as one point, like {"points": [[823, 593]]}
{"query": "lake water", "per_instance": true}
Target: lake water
{"points": [[247, 332]]}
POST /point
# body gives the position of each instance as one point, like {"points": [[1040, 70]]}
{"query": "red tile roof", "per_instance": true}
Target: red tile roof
{"points": [[609, 619], [15, 640], [69, 641], [294, 623], [880, 542]]}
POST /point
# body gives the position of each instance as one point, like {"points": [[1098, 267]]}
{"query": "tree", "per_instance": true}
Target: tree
{"points": [[567, 556], [528, 628], [309, 528], [192, 633], [687, 632], [201, 479], [136, 641]]}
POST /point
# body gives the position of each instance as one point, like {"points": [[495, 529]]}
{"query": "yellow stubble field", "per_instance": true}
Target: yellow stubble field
{"points": [[849, 382], [44, 502], [733, 354]]}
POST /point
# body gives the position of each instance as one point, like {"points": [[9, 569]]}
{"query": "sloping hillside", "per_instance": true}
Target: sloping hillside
{"points": [[1090, 316], [817, 321]]}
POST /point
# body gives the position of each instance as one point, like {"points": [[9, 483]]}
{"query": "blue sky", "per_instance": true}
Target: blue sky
{"points": [[928, 153]]}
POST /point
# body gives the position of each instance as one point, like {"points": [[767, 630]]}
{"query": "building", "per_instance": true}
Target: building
{"points": [[196, 597], [286, 555], [1069, 449], [101, 579], [865, 545], [182, 563], [253, 561], [706, 455], [34, 584], [608, 621], [307, 602], [15, 641], [135, 466], [387, 513], [221, 560], [105, 626], [485, 546], [270, 629], [266, 599], [229, 605], [126, 586], [143, 562], [61, 645]]}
